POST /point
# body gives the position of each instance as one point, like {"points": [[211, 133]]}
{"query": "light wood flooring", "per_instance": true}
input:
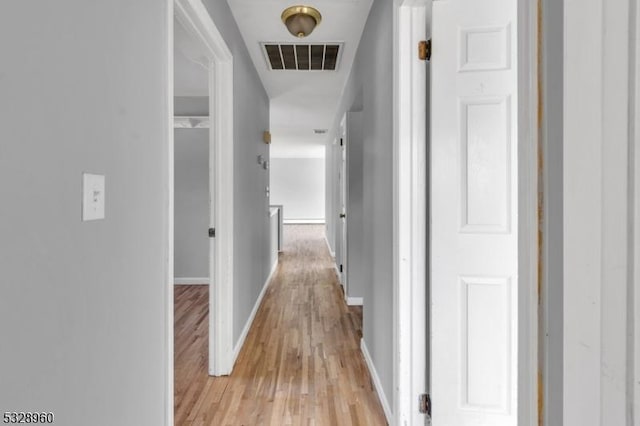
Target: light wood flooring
{"points": [[301, 362]]}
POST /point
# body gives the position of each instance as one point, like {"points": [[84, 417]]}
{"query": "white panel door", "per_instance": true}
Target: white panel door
{"points": [[343, 211], [474, 244]]}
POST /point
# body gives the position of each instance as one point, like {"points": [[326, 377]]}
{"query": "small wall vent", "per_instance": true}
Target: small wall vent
{"points": [[302, 57]]}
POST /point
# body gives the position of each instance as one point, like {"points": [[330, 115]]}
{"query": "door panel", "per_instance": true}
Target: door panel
{"points": [[474, 241], [343, 209], [341, 223]]}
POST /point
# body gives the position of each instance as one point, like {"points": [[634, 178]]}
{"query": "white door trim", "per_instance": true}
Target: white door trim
{"points": [[196, 20], [410, 212], [343, 203]]}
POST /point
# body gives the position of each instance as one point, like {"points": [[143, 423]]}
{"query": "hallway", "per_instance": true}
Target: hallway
{"points": [[301, 362]]}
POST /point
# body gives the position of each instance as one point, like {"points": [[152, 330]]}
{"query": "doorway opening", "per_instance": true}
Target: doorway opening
{"points": [[200, 181], [469, 192]]}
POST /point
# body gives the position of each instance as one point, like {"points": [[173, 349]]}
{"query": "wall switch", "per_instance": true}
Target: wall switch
{"points": [[92, 197]]}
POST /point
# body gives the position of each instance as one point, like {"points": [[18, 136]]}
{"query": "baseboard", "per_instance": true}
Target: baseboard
{"points": [[376, 381], [191, 281], [354, 301], [273, 271], [303, 221], [252, 316], [331, 252]]}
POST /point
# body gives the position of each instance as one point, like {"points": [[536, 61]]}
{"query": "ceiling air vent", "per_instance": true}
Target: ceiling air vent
{"points": [[303, 57]]}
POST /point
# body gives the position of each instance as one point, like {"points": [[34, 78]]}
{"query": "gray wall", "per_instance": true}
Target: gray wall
{"points": [[191, 220], [369, 89], [82, 304], [251, 205], [552, 263], [355, 212], [330, 194], [191, 202], [299, 185]]}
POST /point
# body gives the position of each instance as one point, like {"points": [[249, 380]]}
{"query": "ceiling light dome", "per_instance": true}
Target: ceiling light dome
{"points": [[301, 20]]}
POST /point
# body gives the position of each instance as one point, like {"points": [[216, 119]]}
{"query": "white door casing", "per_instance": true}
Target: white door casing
{"points": [[341, 224], [474, 213], [410, 158], [343, 208], [198, 23], [337, 170]]}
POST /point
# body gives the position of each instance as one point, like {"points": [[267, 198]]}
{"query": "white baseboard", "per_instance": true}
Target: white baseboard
{"points": [[354, 301], [191, 281], [303, 221], [273, 271], [376, 381], [331, 252], [247, 326]]}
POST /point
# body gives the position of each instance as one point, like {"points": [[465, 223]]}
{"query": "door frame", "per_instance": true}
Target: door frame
{"points": [[410, 210], [196, 20], [343, 201], [410, 174]]}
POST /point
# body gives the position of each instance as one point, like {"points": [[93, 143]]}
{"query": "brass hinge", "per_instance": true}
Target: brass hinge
{"points": [[424, 50], [424, 404]]}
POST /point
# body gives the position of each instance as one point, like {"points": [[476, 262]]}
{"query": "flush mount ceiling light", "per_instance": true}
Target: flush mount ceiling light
{"points": [[301, 20]]}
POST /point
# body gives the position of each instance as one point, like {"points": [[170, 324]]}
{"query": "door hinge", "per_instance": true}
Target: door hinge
{"points": [[424, 50], [212, 232], [424, 404], [341, 267], [341, 142]]}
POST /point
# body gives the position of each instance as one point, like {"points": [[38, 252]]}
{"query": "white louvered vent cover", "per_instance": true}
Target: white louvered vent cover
{"points": [[302, 57]]}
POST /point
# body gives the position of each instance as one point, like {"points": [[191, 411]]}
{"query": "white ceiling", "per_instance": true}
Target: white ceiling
{"points": [[301, 100]]}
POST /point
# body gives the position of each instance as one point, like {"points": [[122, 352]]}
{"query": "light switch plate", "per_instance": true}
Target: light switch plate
{"points": [[92, 196]]}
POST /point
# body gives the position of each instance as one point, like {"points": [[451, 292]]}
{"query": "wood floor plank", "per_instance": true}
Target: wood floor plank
{"points": [[301, 363]]}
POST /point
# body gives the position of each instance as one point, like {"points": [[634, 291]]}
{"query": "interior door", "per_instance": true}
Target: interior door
{"points": [[212, 213], [474, 241], [343, 208]]}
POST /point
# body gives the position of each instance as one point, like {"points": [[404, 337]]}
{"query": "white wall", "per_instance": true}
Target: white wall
{"points": [[82, 304], [299, 185], [600, 214]]}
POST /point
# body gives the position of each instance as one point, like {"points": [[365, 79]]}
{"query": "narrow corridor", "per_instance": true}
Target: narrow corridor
{"points": [[301, 363]]}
